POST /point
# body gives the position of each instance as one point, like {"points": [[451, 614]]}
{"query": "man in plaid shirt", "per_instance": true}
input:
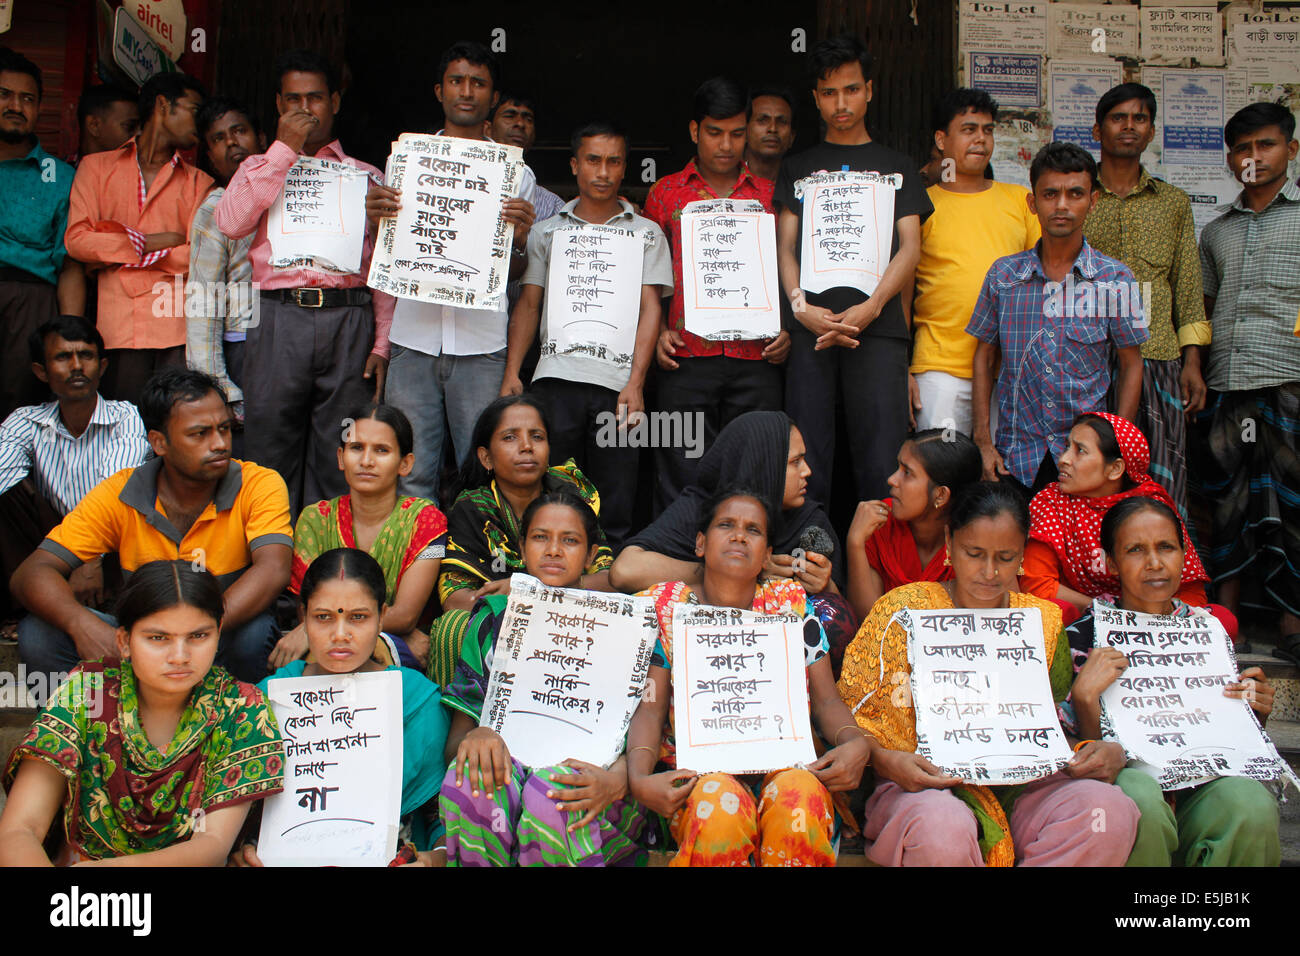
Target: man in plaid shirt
{"points": [[1049, 316]]}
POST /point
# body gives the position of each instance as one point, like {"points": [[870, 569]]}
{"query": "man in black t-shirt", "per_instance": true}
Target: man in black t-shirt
{"points": [[845, 339]]}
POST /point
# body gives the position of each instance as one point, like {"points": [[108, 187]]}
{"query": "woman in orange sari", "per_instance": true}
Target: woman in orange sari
{"points": [[917, 815]]}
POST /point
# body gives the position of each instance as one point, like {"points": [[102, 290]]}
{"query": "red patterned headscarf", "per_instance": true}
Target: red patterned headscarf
{"points": [[1071, 524]]}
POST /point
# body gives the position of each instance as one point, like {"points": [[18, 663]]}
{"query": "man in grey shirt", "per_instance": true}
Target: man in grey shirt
{"points": [[1250, 271], [598, 337]]}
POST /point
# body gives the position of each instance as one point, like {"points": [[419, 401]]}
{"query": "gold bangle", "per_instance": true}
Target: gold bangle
{"points": [[845, 727], [635, 749]]}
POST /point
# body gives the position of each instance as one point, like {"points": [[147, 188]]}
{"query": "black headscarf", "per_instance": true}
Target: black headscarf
{"points": [[750, 452]]}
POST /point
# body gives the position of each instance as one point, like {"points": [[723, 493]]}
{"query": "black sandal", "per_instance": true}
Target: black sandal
{"points": [[1288, 649]]}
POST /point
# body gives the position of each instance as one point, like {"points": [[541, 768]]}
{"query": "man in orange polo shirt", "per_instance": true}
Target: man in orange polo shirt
{"points": [[192, 502], [128, 219]]}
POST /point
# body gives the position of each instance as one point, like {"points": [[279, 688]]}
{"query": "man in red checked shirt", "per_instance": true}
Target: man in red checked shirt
{"points": [[319, 347], [716, 380]]}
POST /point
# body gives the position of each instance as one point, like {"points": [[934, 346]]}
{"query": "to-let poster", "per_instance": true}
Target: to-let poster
{"points": [[1075, 29], [1016, 27]]}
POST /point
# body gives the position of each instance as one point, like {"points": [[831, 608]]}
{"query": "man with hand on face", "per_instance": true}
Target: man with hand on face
{"points": [[320, 345], [717, 381], [38, 279], [582, 390], [448, 362], [1147, 224], [770, 132], [67, 446], [192, 503], [129, 221], [221, 275], [846, 344], [1054, 356]]}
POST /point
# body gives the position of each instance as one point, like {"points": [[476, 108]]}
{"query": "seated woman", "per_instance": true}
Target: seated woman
{"points": [[497, 811], [784, 818], [1229, 821], [899, 541], [406, 535], [917, 816], [1105, 461], [342, 602], [506, 473], [153, 759]]}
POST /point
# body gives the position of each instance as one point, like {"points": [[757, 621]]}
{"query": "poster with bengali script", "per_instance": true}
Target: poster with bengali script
{"points": [[1019, 27], [568, 670], [729, 272], [1075, 87], [342, 771], [982, 695], [848, 229], [318, 221], [1268, 53], [448, 243], [740, 691], [1167, 708], [1083, 30], [1175, 33], [593, 293]]}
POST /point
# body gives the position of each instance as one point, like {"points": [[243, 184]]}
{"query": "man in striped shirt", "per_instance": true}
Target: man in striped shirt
{"points": [[67, 446]]}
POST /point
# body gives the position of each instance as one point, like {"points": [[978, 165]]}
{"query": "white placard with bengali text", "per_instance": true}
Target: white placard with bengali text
{"points": [[729, 273], [1174, 33], [1019, 27], [568, 670], [982, 695], [593, 293], [342, 794], [319, 220], [448, 243], [848, 229], [740, 691], [1167, 708]]}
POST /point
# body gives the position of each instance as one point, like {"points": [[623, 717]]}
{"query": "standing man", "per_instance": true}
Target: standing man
{"points": [[846, 344], [975, 221], [1147, 224], [1250, 270], [320, 345], [714, 381], [129, 220], [448, 362], [221, 276], [514, 122], [1048, 318], [583, 391], [38, 279], [107, 116], [770, 132]]}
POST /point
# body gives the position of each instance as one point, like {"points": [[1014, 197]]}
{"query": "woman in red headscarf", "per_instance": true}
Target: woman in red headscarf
{"points": [[1105, 460]]}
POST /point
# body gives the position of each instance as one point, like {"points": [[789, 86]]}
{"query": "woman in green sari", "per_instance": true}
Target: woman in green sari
{"points": [[154, 759], [507, 472], [405, 535]]}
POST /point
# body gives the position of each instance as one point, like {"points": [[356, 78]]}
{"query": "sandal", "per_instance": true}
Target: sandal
{"points": [[1288, 649]]}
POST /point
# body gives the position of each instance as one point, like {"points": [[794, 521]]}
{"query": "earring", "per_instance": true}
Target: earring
{"points": [[947, 563], [1022, 569]]}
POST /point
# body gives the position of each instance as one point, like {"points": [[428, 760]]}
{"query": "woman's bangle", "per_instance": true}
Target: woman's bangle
{"points": [[1081, 744], [846, 727], [635, 749]]}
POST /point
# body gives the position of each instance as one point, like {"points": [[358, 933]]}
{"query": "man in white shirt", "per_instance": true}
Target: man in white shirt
{"points": [[67, 446], [447, 363]]}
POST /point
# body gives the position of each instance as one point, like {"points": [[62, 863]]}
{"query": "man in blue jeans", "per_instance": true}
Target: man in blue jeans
{"points": [[192, 502], [447, 362]]}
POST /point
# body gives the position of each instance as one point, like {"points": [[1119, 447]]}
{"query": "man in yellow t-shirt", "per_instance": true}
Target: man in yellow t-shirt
{"points": [[192, 502], [976, 221]]}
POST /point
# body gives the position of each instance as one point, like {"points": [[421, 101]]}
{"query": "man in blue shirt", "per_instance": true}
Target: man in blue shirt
{"points": [[1048, 317], [37, 279]]}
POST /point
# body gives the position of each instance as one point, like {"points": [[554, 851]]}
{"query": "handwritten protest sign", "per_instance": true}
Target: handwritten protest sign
{"points": [[593, 293], [729, 276], [1168, 708], [448, 243], [740, 691], [319, 220], [848, 229], [567, 672], [984, 709], [342, 771]]}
